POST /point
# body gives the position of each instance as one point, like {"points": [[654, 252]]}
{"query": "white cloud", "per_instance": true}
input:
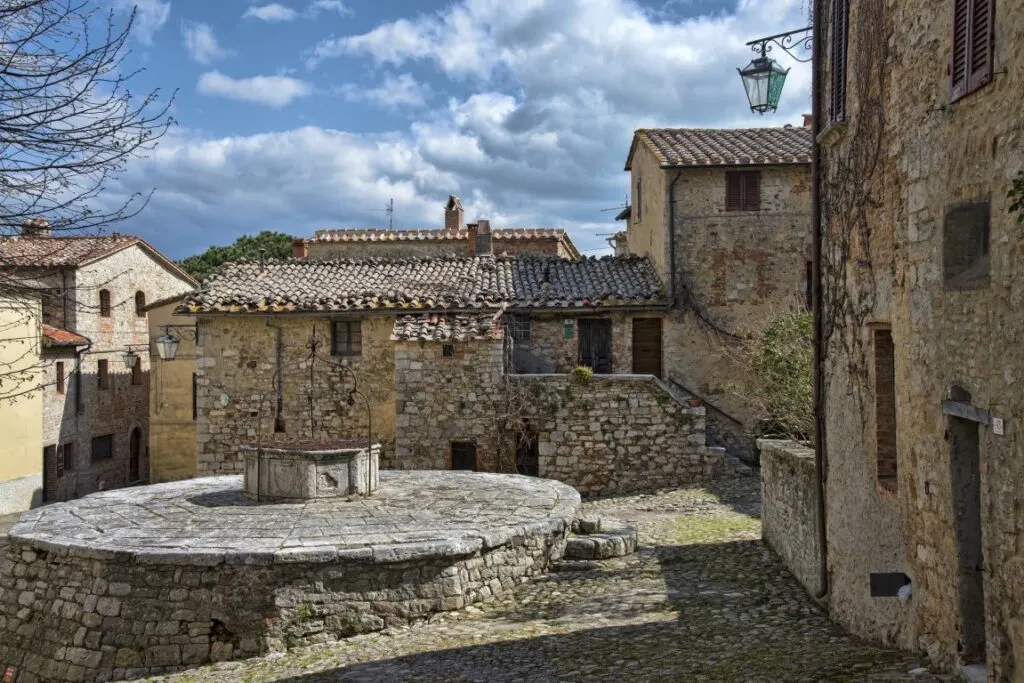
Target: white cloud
{"points": [[150, 16], [393, 93], [201, 43], [270, 91], [271, 13], [275, 12]]}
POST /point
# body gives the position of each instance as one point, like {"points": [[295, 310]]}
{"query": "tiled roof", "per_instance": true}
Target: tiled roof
{"points": [[54, 336], [440, 327], [451, 282], [52, 252], [683, 147], [430, 235]]}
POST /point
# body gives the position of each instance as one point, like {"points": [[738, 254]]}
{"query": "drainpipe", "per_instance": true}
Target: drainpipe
{"points": [[278, 372], [672, 239], [816, 302]]}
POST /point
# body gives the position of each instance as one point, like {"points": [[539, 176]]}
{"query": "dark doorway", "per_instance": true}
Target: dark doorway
{"points": [[134, 454], [528, 453], [464, 455], [647, 346], [595, 344], [965, 473]]}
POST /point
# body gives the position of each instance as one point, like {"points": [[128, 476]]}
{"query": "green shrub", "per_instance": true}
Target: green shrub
{"points": [[581, 374], [782, 361]]}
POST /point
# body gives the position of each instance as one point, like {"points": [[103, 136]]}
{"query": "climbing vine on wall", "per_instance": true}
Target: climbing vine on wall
{"points": [[1016, 197]]}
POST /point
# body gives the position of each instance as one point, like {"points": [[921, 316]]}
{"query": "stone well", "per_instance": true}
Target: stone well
{"points": [[141, 581], [300, 470]]}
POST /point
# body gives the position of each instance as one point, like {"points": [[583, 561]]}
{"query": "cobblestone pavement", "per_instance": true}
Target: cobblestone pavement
{"points": [[702, 600]]}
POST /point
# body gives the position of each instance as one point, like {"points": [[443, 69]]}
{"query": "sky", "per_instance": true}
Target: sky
{"points": [[299, 115]]}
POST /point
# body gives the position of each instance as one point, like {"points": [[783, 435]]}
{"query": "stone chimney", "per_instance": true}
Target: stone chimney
{"points": [[473, 230], [36, 227], [483, 237], [808, 120], [300, 248], [453, 213]]}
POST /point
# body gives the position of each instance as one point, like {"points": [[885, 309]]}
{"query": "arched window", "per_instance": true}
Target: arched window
{"points": [[105, 303], [140, 304]]}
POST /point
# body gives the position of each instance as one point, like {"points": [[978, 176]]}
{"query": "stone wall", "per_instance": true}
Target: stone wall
{"points": [[944, 337], [550, 351], [618, 433], [236, 385], [444, 399], [789, 508]]}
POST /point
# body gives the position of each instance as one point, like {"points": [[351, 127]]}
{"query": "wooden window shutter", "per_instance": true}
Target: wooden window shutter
{"points": [[752, 191], [982, 12], [958, 55], [840, 43], [733, 192]]}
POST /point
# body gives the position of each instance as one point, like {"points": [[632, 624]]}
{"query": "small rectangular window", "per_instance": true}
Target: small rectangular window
{"points": [[68, 452], [105, 303], [464, 455], [195, 389], [52, 459], [448, 350], [103, 448], [838, 58], [103, 374], [638, 202], [60, 377], [137, 373], [965, 246], [519, 328], [743, 191], [347, 338], [885, 409]]}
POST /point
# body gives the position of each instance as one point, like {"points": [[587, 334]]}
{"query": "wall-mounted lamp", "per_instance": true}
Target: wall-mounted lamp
{"points": [[131, 359], [167, 345]]}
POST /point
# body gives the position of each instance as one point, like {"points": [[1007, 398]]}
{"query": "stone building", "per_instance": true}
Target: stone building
{"points": [[95, 410], [455, 239], [447, 350], [922, 291], [724, 216]]}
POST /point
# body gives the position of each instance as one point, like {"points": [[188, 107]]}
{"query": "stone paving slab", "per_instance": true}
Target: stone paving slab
{"points": [[415, 514], [702, 600]]}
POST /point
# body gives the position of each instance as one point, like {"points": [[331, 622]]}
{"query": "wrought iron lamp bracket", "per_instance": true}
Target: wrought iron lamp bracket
{"points": [[183, 331], [793, 43]]}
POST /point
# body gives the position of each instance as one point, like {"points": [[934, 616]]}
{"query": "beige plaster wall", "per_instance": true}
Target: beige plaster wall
{"points": [[172, 428], [21, 454], [645, 232]]}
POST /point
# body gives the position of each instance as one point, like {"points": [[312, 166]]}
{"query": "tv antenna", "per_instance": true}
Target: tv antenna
{"points": [[620, 207], [389, 210]]}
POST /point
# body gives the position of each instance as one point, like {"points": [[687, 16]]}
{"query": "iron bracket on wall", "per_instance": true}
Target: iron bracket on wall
{"points": [[788, 42]]}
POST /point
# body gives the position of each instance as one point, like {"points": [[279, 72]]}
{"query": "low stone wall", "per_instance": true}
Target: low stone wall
{"points": [[788, 508], [619, 433]]}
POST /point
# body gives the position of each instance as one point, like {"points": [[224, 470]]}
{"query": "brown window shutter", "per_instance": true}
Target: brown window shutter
{"points": [[733, 191], [752, 191], [840, 41], [980, 50], [958, 55]]}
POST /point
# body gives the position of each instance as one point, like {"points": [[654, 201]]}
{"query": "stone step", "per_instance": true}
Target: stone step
{"points": [[597, 539]]}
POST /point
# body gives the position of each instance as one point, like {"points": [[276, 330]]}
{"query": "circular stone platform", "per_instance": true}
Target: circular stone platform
{"points": [[139, 580]]}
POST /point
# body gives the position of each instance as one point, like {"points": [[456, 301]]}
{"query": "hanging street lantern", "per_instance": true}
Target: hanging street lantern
{"points": [[167, 346], [131, 359], [764, 77]]}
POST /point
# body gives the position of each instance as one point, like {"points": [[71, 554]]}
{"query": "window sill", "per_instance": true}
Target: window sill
{"points": [[833, 133]]}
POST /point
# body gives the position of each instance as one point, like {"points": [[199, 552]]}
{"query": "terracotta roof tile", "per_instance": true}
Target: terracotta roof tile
{"points": [[451, 282], [51, 252], [432, 235], [54, 336], [683, 147], [440, 327]]}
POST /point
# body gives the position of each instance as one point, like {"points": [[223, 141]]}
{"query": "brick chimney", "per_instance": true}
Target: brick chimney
{"points": [[300, 248], [483, 237], [453, 213], [473, 230], [808, 121], [36, 227]]}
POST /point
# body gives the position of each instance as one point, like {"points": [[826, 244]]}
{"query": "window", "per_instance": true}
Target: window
{"points": [[840, 43], [464, 455], [140, 304], [638, 200], [60, 377], [448, 350], [965, 238], [970, 60], [50, 459], [346, 338], [195, 390], [103, 448], [519, 328], [105, 303], [885, 409], [137, 373], [743, 191], [68, 456], [102, 374]]}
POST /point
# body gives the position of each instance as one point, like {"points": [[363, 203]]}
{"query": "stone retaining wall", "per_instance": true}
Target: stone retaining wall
{"points": [[788, 508], [82, 616], [619, 433]]}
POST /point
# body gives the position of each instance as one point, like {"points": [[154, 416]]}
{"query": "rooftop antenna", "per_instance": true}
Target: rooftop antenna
{"points": [[620, 207], [388, 209]]}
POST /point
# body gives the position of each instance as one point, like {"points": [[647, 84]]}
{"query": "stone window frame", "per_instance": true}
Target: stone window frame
{"points": [[105, 307], [140, 304], [885, 483], [103, 373], [61, 382], [353, 347], [104, 453]]}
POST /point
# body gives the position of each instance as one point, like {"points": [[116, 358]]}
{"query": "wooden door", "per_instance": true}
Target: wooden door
{"points": [[464, 455], [595, 344], [647, 346]]}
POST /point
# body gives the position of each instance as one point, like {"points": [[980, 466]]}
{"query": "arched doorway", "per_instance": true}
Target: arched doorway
{"points": [[134, 455]]}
